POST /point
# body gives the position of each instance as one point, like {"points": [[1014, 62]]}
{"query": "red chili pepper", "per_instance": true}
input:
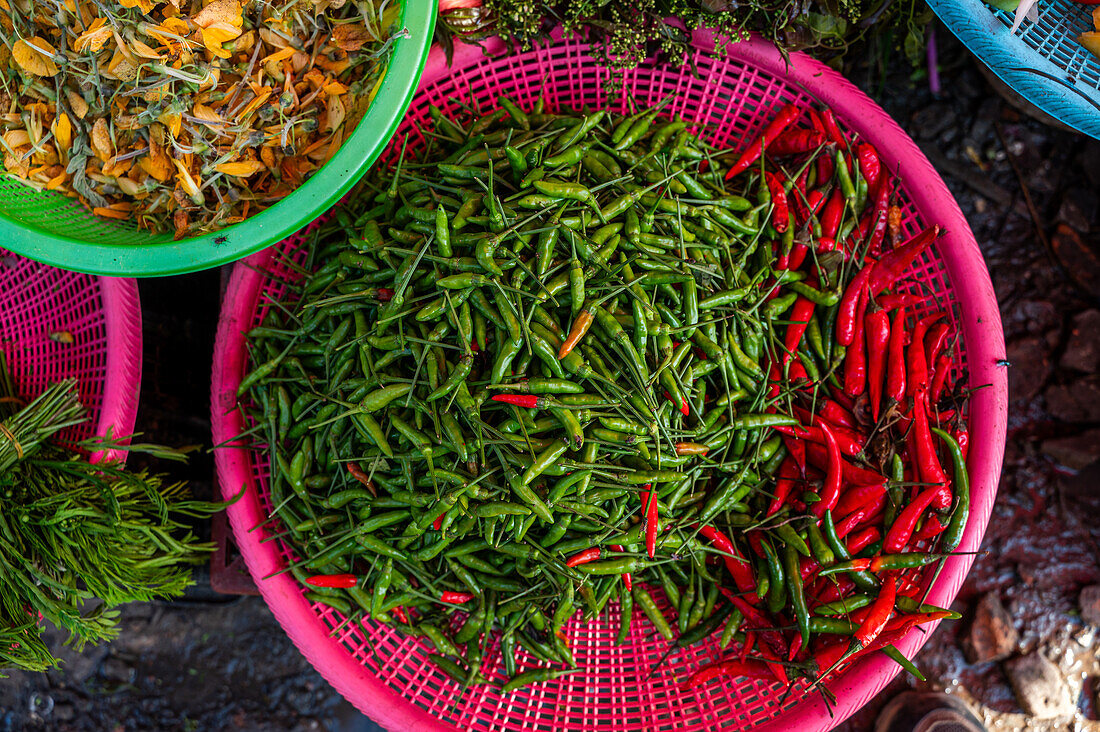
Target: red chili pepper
{"points": [[877, 331], [817, 456], [384, 294], [732, 667], [530, 401], [781, 216], [815, 200], [788, 114], [736, 564], [902, 531], [455, 598], [691, 448], [863, 539], [799, 252], [797, 450], [340, 581], [895, 361], [649, 510], [859, 497], [846, 323], [784, 484], [879, 222], [801, 313], [831, 216], [931, 529], [777, 669], [869, 164], [628, 581], [881, 610], [837, 415], [963, 438], [356, 472], [583, 557], [935, 341], [796, 142], [832, 130], [399, 613], [939, 377], [902, 624], [895, 300], [892, 265], [928, 463], [830, 491], [438, 523], [855, 358], [851, 441]]}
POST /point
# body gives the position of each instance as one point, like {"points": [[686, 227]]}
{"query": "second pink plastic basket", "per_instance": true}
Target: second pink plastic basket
{"points": [[388, 675], [56, 324]]}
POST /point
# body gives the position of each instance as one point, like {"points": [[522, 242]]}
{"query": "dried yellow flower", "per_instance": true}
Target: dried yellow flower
{"points": [[34, 55]]}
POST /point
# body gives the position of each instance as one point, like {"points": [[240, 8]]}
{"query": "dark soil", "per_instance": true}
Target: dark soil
{"points": [[1032, 196]]}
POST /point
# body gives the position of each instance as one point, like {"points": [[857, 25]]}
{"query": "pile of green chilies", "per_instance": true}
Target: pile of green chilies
{"points": [[553, 360]]}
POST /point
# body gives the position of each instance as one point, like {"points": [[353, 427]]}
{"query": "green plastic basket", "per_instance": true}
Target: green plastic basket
{"points": [[52, 228]]}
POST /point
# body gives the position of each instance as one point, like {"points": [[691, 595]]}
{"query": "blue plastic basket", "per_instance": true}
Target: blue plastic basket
{"points": [[1042, 61]]}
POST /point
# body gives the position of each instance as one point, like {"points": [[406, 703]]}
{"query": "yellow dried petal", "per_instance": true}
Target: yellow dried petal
{"points": [[30, 59], [243, 168], [101, 140], [111, 213], [219, 11], [214, 36], [186, 181], [16, 138], [77, 104], [57, 180], [335, 88], [63, 131], [334, 113], [93, 39], [140, 49], [351, 36], [207, 115], [173, 121], [177, 26]]}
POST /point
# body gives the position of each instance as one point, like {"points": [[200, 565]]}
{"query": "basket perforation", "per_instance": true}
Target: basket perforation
{"points": [[1048, 44]]}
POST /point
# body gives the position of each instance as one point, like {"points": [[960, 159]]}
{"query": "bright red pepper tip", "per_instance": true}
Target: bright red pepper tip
{"points": [[338, 581]]}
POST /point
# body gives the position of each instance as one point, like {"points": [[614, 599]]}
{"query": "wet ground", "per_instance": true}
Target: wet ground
{"points": [[1032, 196]]}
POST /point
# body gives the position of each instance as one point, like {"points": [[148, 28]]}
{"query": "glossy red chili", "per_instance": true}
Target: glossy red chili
{"points": [[846, 323], [832, 215], [788, 114], [340, 581], [736, 564], [834, 473], [583, 557], [796, 141], [628, 581], [785, 480], [781, 214], [892, 266], [901, 532], [530, 401], [896, 384], [649, 509], [877, 333], [455, 598], [799, 317]]}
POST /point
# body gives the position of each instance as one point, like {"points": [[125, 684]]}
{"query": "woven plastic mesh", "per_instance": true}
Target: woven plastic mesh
{"points": [[1042, 61], [42, 309], [731, 100]]}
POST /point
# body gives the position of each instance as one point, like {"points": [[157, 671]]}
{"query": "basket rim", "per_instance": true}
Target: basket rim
{"points": [[122, 382], [980, 322], [271, 225], [1016, 63]]}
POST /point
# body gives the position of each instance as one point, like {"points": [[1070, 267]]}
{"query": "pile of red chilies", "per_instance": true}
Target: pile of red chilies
{"points": [[888, 395]]}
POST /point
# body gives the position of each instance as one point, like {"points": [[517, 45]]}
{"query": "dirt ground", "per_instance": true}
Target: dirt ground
{"points": [[1032, 196]]}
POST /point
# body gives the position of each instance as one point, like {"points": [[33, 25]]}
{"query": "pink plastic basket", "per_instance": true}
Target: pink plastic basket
{"points": [[388, 675], [40, 307]]}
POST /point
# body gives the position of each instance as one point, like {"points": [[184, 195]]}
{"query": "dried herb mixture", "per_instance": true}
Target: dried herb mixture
{"points": [[183, 115]]}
